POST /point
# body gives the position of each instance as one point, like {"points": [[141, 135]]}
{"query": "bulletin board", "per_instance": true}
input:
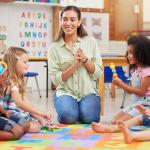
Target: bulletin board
{"points": [[97, 25], [27, 26], [3, 24]]}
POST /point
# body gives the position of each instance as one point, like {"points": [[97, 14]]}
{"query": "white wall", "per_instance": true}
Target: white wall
{"points": [[146, 14], [146, 10], [84, 3]]}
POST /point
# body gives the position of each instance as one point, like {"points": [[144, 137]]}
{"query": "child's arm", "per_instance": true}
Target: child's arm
{"points": [[42, 120], [4, 112], [26, 106], [145, 83], [118, 82]]}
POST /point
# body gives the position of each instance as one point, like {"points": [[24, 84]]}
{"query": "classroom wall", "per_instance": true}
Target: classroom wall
{"points": [[146, 14], [14, 26], [112, 47], [84, 3]]}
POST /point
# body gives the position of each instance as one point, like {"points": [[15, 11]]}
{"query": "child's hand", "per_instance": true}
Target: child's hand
{"points": [[47, 116], [117, 81], [140, 108], [147, 113], [6, 114]]}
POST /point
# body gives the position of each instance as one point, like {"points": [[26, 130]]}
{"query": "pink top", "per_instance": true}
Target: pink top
{"points": [[145, 73]]}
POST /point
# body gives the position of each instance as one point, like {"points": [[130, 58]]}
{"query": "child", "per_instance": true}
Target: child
{"points": [[11, 127], [139, 57], [15, 100], [123, 126]]}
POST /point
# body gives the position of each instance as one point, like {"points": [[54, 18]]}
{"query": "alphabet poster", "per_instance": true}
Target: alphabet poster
{"points": [[29, 27], [3, 24]]}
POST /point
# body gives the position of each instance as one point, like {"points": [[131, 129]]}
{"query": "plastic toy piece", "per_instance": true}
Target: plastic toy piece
{"points": [[51, 127], [3, 69], [47, 127], [139, 128], [112, 67]]}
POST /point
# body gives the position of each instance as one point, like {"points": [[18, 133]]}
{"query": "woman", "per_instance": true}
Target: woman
{"points": [[75, 65]]}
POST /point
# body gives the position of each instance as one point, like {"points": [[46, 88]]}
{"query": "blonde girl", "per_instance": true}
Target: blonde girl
{"points": [[15, 100], [12, 127]]}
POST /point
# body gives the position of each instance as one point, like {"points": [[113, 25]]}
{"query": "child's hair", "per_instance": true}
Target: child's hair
{"points": [[11, 57], [132, 67], [141, 45], [4, 82]]}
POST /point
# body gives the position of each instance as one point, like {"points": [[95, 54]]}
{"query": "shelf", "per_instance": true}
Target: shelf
{"points": [[35, 3]]}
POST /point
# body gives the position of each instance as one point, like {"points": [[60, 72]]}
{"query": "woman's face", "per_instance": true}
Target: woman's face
{"points": [[131, 55], [22, 64], [70, 22]]}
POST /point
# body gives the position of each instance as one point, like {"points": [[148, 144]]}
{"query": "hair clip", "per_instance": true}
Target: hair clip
{"points": [[18, 57], [3, 68]]}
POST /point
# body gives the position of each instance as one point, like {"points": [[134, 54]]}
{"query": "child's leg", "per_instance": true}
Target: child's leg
{"points": [[14, 134], [20, 120], [128, 135], [26, 127], [104, 128], [135, 121], [127, 113], [125, 117], [118, 117], [34, 127], [97, 127], [133, 136]]}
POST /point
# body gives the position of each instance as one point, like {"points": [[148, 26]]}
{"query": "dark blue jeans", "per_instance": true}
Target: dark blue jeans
{"points": [[70, 111]]}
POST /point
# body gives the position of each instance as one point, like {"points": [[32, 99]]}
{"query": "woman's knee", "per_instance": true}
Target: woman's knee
{"points": [[68, 118], [67, 109], [90, 109]]}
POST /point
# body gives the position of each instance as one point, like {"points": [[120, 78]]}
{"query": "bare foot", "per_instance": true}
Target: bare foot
{"points": [[113, 122], [128, 135], [102, 128], [26, 127]]}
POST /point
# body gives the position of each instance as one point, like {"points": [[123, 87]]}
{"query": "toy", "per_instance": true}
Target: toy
{"points": [[47, 127], [3, 68], [51, 127], [139, 128], [112, 67]]}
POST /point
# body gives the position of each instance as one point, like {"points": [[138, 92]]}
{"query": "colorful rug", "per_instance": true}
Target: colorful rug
{"points": [[72, 137]]}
